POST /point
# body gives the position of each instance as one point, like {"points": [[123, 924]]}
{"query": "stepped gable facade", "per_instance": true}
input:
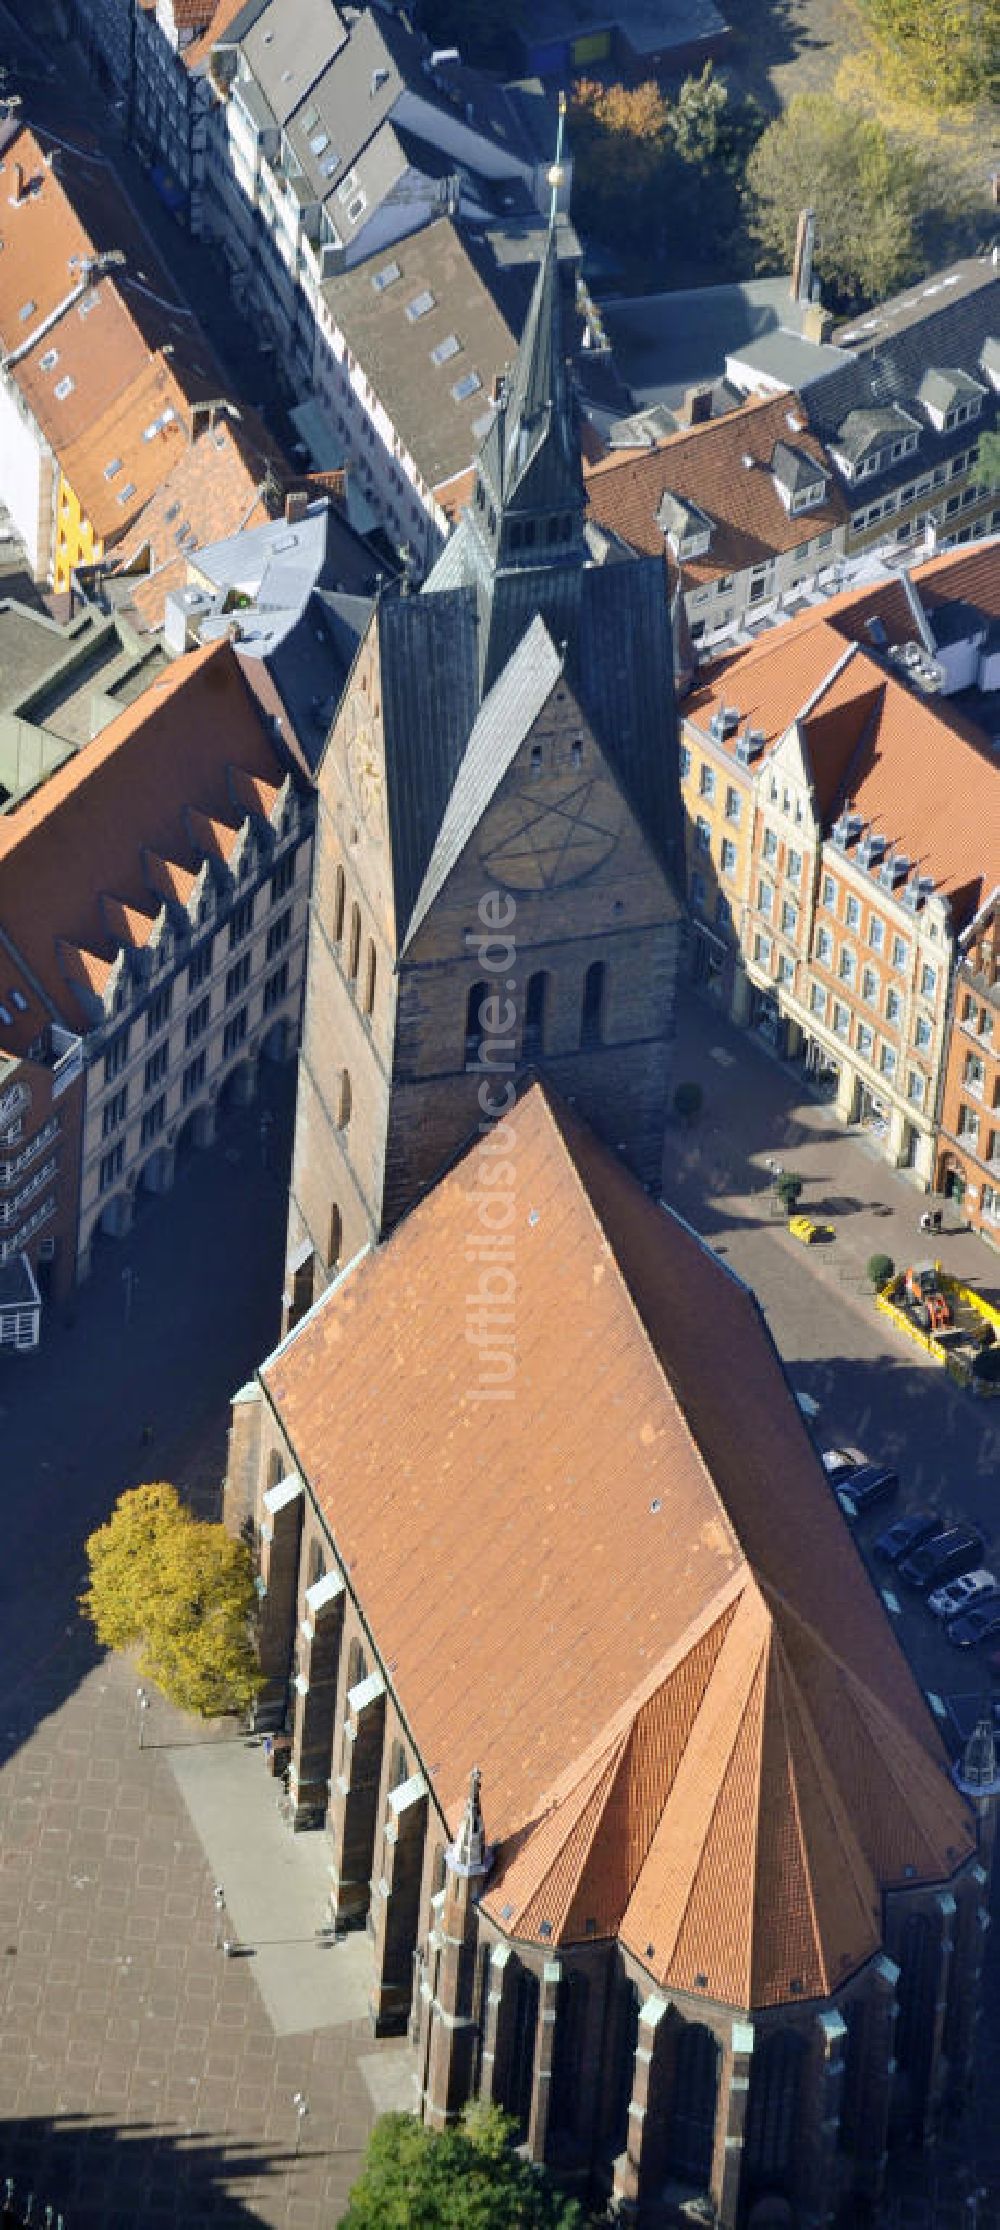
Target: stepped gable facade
{"points": [[499, 836], [153, 898], [612, 1741]]}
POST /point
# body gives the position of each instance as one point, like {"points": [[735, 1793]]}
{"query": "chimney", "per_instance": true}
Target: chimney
{"points": [[18, 191], [296, 505], [817, 323], [802, 262], [697, 406]]}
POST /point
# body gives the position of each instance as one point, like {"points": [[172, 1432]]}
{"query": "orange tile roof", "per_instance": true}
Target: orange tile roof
{"points": [[906, 763], [94, 375], [113, 819], [640, 1612], [123, 436], [213, 490], [226, 12], [706, 466]]}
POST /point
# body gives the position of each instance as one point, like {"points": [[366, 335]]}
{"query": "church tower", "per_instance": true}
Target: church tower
{"points": [[498, 847]]}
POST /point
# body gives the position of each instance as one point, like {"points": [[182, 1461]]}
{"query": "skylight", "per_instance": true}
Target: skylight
{"points": [[48, 362], [127, 491], [388, 275], [319, 142], [446, 348], [463, 388], [111, 469], [27, 310], [420, 305], [62, 388]]}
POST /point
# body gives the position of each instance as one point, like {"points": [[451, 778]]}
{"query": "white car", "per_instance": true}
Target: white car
{"points": [[838, 1463], [946, 1601]]}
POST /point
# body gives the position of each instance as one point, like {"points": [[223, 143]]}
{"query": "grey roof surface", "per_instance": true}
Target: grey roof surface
{"points": [[429, 679], [504, 719], [346, 105], [666, 343], [916, 303], [794, 468], [440, 431], [867, 429], [287, 49], [614, 621], [940, 389], [889, 364], [651, 26], [531, 454], [785, 358], [311, 583]]}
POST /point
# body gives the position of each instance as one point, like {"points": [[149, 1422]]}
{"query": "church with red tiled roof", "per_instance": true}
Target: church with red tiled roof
{"points": [[612, 1741]]}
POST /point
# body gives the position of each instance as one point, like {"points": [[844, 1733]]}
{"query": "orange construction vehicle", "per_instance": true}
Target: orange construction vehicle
{"points": [[922, 1293]]}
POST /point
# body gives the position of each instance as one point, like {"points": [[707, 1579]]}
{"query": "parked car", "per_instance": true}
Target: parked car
{"points": [[838, 1463], [958, 1595], [871, 1483], [904, 1535], [955, 1549], [980, 1623]]}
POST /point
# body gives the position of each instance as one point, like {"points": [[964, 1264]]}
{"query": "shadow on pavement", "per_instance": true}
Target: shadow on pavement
{"points": [[99, 2176], [133, 1383]]}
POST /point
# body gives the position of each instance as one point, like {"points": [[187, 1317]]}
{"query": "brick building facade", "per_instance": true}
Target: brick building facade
{"points": [[497, 836], [614, 1750]]}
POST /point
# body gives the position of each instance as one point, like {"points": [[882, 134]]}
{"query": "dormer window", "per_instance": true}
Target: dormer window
{"points": [[950, 399], [687, 528]]}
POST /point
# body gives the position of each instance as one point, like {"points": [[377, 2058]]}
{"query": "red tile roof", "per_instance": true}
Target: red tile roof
{"points": [[639, 1611], [707, 465], [112, 823]]}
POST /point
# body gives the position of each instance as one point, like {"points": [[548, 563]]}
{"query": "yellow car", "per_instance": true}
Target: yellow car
{"points": [[802, 1227]]}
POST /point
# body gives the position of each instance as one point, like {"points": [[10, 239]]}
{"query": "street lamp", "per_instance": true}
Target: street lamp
{"points": [[301, 2105], [219, 1895], [142, 1704]]}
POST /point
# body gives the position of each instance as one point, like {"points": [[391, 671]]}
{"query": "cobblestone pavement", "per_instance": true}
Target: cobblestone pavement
{"points": [[140, 2080]]}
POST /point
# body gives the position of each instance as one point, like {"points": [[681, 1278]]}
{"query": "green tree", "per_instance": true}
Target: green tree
{"points": [[789, 1191], [881, 1268], [183, 1592], [987, 467], [687, 1103], [466, 2178], [863, 188], [939, 52]]}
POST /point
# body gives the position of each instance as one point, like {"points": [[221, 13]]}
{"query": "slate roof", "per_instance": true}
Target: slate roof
{"points": [[440, 430], [504, 719], [638, 1611], [943, 330], [429, 685]]}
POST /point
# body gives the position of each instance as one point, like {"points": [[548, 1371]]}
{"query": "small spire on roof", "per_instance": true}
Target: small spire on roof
{"points": [[557, 171], [470, 1853], [978, 1772]]}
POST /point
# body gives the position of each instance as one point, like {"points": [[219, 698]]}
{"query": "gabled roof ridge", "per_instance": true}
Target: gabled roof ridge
{"points": [[622, 1721], [711, 1712], [594, 1792], [789, 1696]]}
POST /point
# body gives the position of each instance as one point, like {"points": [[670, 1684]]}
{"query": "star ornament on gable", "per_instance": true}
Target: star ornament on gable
{"points": [[543, 844]]}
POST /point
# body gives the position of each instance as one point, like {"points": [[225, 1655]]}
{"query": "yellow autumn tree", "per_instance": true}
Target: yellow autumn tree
{"points": [[182, 1591]]}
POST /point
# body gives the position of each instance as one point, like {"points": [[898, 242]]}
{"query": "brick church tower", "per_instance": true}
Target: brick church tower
{"points": [[498, 847]]}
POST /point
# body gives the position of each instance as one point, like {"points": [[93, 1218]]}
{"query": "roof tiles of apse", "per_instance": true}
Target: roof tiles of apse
{"points": [[639, 1612]]}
